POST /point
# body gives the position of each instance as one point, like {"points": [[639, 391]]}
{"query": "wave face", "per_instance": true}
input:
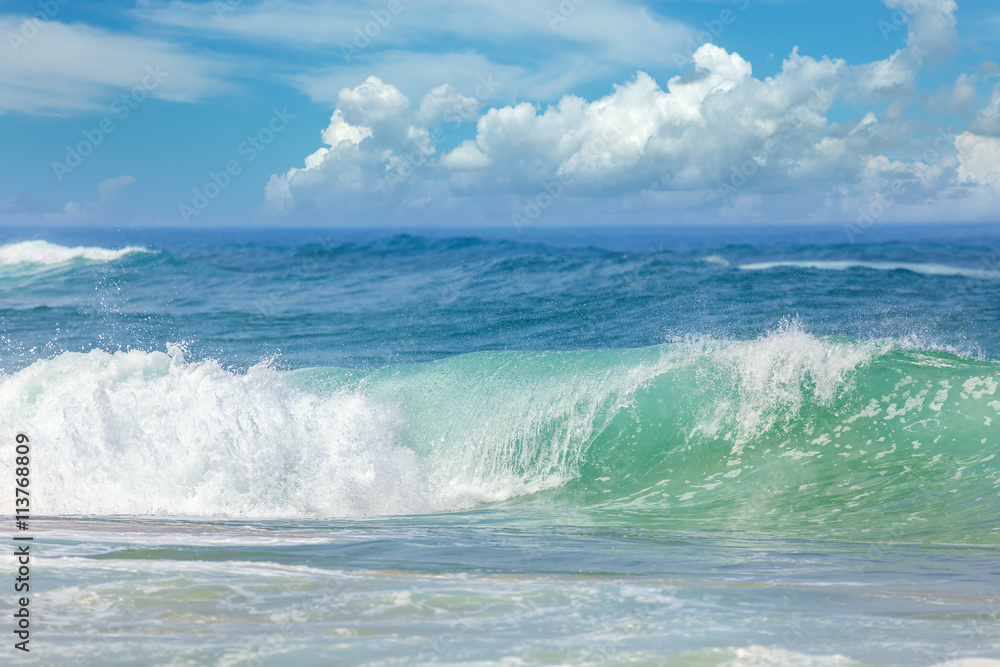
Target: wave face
{"points": [[787, 431], [49, 254]]}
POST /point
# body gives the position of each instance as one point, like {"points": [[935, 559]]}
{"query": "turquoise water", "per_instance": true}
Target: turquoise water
{"points": [[598, 447]]}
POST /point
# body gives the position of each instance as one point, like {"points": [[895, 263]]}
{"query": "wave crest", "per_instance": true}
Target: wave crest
{"points": [[48, 254], [787, 430], [152, 434], [843, 265]]}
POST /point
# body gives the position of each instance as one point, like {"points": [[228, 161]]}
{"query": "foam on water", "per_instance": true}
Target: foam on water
{"points": [[715, 259], [842, 265], [150, 433], [755, 656], [773, 376], [816, 430], [45, 253]]}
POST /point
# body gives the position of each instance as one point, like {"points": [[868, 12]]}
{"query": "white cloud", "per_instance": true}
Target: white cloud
{"points": [[979, 159], [957, 99], [466, 156], [66, 68], [619, 30], [367, 123], [538, 50], [930, 37], [414, 74], [371, 102], [446, 104], [638, 137], [930, 27], [988, 120], [715, 143], [340, 130]]}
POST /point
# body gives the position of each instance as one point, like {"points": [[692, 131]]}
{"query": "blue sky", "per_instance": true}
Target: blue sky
{"points": [[498, 112]]}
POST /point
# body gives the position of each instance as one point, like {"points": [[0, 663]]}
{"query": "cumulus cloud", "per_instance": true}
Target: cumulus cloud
{"points": [[979, 160], [640, 136], [715, 142]]}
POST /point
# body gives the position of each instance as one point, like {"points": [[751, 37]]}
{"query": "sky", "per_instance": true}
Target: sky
{"points": [[499, 112]]}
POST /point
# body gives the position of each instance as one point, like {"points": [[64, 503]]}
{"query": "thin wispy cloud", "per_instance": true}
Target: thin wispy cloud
{"points": [[58, 68]]}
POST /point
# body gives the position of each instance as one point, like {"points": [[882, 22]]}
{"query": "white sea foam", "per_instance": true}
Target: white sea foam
{"points": [[149, 433], [768, 379], [753, 656], [43, 252], [842, 265], [715, 259]]}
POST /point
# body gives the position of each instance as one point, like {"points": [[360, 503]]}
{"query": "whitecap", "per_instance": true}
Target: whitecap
{"points": [[43, 252], [842, 265]]}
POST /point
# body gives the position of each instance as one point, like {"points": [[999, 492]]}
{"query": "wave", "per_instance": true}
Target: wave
{"points": [[842, 265], [45, 253], [715, 259], [785, 432]]}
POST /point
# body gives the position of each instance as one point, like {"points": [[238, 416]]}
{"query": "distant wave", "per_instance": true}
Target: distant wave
{"points": [[43, 252], [841, 265], [715, 259]]}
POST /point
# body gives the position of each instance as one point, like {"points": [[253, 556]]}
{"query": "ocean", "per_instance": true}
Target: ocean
{"points": [[624, 446]]}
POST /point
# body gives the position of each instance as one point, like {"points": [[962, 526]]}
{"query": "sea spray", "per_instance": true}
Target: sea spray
{"points": [[787, 430]]}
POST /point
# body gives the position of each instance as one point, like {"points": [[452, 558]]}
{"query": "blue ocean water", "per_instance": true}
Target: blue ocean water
{"points": [[717, 446]]}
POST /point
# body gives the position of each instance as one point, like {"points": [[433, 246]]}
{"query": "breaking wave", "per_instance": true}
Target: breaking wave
{"points": [[49, 254], [786, 431]]}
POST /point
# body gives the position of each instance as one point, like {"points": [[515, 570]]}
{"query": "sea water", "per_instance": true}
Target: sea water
{"points": [[749, 446]]}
